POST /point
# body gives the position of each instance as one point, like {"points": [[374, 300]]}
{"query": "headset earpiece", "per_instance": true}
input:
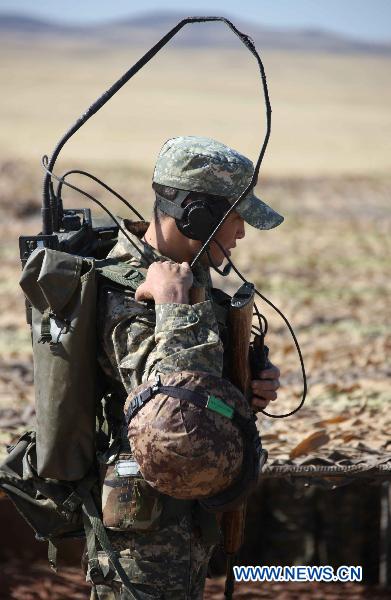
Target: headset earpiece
{"points": [[200, 217], [198, 221]]}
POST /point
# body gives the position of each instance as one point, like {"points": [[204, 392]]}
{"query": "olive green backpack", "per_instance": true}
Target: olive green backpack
{"points": [[51, 475]]}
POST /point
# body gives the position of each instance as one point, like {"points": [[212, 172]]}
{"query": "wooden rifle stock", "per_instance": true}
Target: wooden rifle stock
{"points": [[239, 332], [196, 295]]}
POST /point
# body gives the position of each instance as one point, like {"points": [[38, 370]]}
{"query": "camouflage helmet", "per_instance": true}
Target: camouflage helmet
{"points": [[184, 450], [201, 164]]}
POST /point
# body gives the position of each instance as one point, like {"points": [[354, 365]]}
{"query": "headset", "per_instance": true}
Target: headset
{"points": [[197, 218]]}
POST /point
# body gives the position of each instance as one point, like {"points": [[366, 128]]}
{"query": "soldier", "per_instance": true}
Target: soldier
{"points": [[165, 552]]}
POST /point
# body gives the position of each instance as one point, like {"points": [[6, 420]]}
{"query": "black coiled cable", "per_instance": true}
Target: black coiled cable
{"points": [[263, 330]]}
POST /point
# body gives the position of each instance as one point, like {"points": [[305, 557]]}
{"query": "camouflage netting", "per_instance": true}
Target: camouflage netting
{"points": [[330, 447]]}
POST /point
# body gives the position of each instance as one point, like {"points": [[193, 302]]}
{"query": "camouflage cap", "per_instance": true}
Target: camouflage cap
{"points": [[201, 164]]}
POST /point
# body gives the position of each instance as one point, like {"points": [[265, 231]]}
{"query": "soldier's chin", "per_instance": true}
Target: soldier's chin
{"points": [[217, 259]]}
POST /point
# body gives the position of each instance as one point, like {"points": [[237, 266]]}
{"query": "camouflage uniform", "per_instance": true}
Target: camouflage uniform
{"points": [[169, 558], [137, 341], [140, 340]]}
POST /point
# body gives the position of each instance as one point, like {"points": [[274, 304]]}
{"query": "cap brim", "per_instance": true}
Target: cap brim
{"points": [[258, 214]]}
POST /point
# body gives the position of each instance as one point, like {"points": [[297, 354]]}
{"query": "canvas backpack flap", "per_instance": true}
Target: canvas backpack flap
{"points": [[44, 504], [29, 277], [50, 278], [59, 278], [64, 352]]}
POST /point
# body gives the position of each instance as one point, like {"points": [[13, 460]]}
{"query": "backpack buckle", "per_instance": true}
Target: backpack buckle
{"points": [[95, 573]]}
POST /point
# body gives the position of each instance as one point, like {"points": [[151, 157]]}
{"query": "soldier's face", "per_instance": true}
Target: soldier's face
{"points": [[228, 234]]}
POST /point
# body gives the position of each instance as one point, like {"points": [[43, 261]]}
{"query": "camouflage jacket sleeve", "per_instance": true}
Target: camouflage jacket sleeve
{"points": [[187, 339], [139, 341]]}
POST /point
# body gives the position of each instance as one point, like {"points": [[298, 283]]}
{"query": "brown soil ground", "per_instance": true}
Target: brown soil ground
{"points": [[36, 581]]}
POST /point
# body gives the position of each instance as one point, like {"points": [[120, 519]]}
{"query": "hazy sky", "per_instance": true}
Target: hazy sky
{"points": [[367, 19]]}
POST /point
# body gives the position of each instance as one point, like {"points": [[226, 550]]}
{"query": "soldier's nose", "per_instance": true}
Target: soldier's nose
{"points": [[241, 232]]}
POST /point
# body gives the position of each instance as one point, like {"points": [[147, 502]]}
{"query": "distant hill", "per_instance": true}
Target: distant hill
{"points": [[146, 29], [15, 24]]}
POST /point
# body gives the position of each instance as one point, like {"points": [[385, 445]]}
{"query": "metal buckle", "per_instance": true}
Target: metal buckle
{"points": [[143, 397], [156, 385]]}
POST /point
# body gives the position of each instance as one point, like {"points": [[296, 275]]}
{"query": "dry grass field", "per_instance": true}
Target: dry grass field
{"points": [[327, 170], [330, 112]]}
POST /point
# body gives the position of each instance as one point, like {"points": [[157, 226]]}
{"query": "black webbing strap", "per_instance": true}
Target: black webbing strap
{"points": [[46, 336], [52, 555], [200, 400], [49, 198], [247, 426]]}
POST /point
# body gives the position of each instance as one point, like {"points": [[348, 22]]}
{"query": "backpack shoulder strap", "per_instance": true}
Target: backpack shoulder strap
{"points": [[120, 273]]}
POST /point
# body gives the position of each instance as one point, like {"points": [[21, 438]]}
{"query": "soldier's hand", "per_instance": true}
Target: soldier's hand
{"points": [[166, 282], [265, 388]]}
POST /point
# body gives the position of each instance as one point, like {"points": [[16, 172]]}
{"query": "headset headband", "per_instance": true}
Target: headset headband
{"points": [[173, 208]]}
